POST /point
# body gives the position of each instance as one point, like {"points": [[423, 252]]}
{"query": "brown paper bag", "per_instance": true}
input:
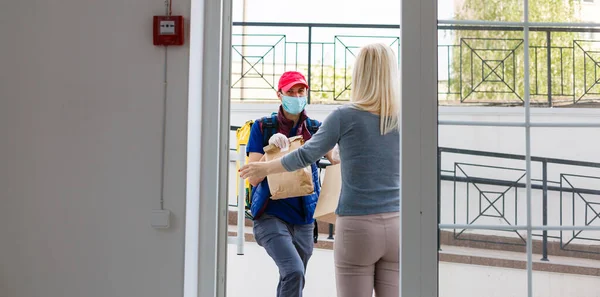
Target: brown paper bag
{"points": [[330, 195], [289, 184]]}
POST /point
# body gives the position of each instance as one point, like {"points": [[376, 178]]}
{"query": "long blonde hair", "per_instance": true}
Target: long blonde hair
{"points": [[375, 85]]}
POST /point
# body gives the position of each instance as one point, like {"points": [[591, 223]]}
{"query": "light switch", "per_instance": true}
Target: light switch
{"points": [[160, 219]]}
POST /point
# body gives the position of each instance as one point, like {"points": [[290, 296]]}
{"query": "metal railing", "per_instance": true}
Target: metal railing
{"points": [[568, 191], [239, 239], [565, 189], [476, 64], [477, 173]]}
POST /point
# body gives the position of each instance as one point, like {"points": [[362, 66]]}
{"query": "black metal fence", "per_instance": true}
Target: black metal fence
{"points": [[476, 64], [477, 188]]}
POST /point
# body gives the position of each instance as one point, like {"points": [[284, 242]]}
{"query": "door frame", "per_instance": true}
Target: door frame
{"points": [[205, 256], [208, 107], [418, 142]]}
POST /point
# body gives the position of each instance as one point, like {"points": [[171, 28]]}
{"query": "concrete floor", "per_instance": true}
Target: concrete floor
{"points": [[255, 275]]}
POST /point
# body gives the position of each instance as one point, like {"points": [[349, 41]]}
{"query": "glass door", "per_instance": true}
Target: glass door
{"points": [[517, 98]]}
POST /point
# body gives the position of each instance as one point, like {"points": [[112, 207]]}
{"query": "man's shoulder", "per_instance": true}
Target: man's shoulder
{"points": [[313, 122], [257, 125], [267, 119], [264, 119]]}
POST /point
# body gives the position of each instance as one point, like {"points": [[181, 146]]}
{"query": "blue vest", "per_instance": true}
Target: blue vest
{"points": [[261, 193]]}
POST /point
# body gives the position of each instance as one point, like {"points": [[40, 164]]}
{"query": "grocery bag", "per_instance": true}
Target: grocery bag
{"points": [[288, 184]]}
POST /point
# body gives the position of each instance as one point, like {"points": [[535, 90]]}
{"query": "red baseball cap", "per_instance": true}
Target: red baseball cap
{"points": [[290, 79]]}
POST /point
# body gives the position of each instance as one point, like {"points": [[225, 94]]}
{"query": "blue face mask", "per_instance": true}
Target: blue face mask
{"points": [[293, 105]]}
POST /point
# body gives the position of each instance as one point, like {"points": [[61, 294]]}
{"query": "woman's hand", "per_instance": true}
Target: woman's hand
{"points": [[255, 157], [259, 170], [256, 170]]}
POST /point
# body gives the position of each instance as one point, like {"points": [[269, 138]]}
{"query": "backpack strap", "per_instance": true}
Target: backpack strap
{"points": [[312, 126], [269, 127]]}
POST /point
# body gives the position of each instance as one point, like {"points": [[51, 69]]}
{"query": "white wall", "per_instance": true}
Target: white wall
{"points": [[81, 122], [472, 280], [572, 144], [565, 143]]}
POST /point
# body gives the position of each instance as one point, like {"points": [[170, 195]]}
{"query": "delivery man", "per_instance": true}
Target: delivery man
{"points": [[284, 227]]}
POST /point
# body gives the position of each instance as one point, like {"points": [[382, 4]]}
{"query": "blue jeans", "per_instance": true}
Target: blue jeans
{"points": [[290, 246]]}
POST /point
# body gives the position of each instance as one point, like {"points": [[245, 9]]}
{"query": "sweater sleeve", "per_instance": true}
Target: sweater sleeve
{"points": [[316, 147]]}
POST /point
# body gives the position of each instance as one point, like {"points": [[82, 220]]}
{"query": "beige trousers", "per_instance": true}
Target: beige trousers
{"points": [[366, 252]]}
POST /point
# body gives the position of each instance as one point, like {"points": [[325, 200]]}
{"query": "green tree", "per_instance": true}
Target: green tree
{"points": [[329, 85], [487, 65]]}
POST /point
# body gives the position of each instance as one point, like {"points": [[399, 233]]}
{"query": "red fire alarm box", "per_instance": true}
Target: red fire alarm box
{"points": [[168, 30]]}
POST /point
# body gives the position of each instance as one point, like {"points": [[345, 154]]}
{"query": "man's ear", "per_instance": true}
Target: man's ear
{"points": [[279, 95]]}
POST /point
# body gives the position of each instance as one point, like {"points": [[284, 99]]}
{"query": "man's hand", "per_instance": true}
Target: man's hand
{"points": [[279, 140]]}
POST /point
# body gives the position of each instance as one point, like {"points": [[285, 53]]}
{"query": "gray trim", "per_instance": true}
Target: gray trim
{"points": [[223, 127], [208, 150], [419, 257]]}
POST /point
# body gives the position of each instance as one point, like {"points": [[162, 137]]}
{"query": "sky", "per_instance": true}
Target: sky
{"points": [[328, 11]]}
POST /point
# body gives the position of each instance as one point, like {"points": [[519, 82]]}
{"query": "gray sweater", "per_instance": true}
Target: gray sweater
{"points": [[369, 161]]}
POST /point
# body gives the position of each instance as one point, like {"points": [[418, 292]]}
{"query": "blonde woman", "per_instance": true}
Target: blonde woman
{"points": [[367, 240]]}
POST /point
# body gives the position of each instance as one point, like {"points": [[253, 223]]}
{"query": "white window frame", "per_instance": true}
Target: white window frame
{"points": [[527, 125]]}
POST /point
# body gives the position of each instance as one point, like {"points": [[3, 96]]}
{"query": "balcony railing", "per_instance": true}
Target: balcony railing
{"points": [[476, 64], [488, 188], [481, 188]]}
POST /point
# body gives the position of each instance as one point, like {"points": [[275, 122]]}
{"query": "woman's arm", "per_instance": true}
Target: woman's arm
{"points": [[319, 145]]}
